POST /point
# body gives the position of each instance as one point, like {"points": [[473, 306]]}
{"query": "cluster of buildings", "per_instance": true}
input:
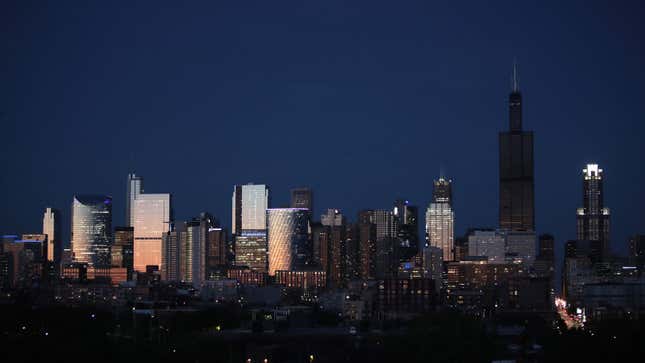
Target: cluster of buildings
{"points": [[377, 265], [595, 283]]}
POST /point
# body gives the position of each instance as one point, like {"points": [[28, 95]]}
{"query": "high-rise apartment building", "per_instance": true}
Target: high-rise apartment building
{"points": [[151, 216], [516, 179], [287, 234], [440, 219], [51, 227], [170, 242], [593, 217], [92, 229]]}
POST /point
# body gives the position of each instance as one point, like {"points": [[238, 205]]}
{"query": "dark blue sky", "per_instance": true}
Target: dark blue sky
{"points": [[365, 103]]}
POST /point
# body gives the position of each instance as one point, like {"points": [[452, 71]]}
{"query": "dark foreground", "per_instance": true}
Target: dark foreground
{"points": [[83, 334]]}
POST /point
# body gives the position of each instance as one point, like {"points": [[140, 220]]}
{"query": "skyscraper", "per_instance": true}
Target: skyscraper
{"points": [[250, 202], [170, 253], [251, 249], [440, 219], [593, 217], [516, 183], [134, 188], [287, 234], [249, 226], [385, 226], [407, 221], [367, 247], [302, 198], [151, 216], [51, 227], [215, 250], [191, 256], [92, 229], [122, 250]]}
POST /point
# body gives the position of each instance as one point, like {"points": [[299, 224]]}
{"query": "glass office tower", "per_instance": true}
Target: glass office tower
{"points": [[150, 215], [250, 203], [287, 234], [92, 229], [135, 187]]}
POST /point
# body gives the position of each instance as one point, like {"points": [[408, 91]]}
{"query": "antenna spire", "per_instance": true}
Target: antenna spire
{"points": [[516, 82]]}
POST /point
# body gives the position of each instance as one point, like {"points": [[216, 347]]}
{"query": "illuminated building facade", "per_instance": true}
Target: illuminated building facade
{"points": [[134, 188], [191, 258], [287, 233], [250, 202], [249, 226], [251, 250], [151, 216], [593, 217], [401, 297], [123, 249], [170, 254], [51, 227], [305, 279], [516, 177], [92, 229], [247, 276], [440, 219]]}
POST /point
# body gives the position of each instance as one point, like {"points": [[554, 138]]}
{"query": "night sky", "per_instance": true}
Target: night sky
{"points": [[364, 103]]}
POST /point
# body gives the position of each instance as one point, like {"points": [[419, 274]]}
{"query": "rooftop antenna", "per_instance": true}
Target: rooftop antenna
{"points": [[516, 82]]}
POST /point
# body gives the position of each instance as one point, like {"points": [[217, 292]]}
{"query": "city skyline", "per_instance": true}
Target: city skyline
{"points": [[395, 97], [408, 179]]}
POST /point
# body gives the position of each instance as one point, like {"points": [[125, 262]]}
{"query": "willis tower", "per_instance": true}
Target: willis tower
{"points": [[516, 182]]}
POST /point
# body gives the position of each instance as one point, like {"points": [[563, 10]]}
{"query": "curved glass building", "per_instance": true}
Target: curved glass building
{"points": [[92, 229], [287, 232]]}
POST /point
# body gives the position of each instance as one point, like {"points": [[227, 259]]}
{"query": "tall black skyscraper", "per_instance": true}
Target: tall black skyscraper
{"points": [[516, 183], [593, 217]]}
